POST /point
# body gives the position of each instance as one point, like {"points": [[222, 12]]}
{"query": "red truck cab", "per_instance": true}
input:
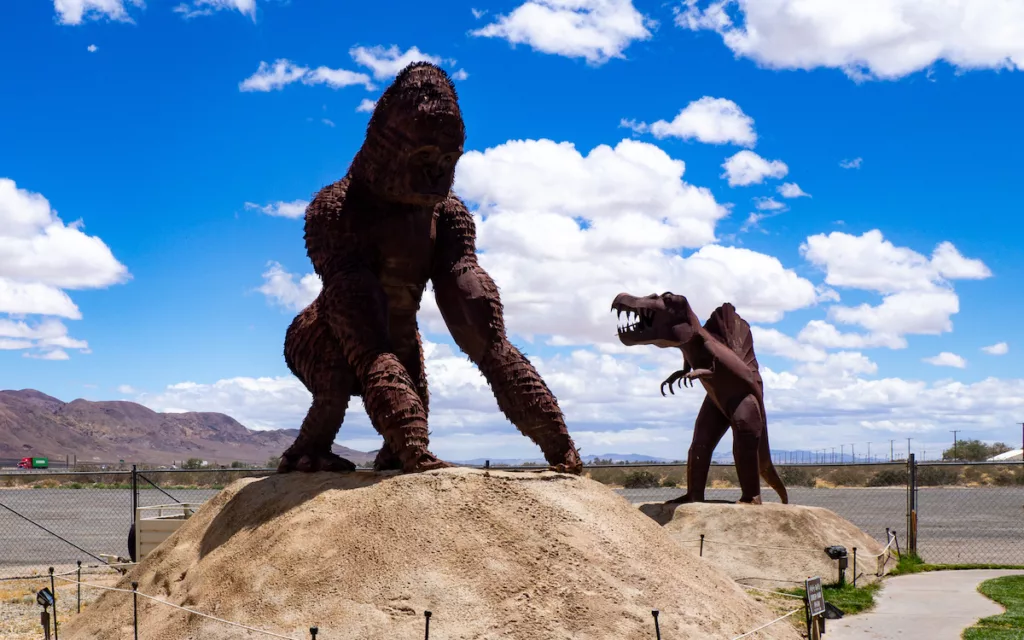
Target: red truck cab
{"points": [[26, 463]]}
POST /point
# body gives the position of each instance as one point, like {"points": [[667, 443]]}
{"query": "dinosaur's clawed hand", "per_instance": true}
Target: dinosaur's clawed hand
{"points": [[311, 459], [672, 379]]}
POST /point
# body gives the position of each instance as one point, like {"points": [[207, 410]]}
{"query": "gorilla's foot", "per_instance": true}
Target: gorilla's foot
{"points": [[755, 500], [424, 461], [311, 459]]}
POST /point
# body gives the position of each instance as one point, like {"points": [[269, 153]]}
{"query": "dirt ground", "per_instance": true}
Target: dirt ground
{"points": [[770, 544], [19, 613], [493, 555]]}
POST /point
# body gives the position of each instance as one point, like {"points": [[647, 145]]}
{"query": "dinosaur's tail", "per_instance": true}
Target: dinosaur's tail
{"points": [[768, 472]]}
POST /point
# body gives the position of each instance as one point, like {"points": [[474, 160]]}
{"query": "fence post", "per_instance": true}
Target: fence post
{"points": [[135, 492], [79, 586], [911, 504], [135, 608], [53, 590], [855, 567], [426, 614], [313, 631], [702, 545], [657, 628]]}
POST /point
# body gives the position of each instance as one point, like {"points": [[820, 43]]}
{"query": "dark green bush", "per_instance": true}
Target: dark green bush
{"points": [[888, 478], [641, 479]]}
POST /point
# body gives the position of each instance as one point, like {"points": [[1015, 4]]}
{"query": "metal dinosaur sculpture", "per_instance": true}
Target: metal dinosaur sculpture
{"points": [[721, 355], [375, 238]]}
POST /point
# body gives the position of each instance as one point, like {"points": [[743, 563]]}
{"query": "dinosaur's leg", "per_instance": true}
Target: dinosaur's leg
{"points": [[357, 309], [471, 307], [767, 468], [747, 428], [314, 355], [409, 349], [710, 426]]}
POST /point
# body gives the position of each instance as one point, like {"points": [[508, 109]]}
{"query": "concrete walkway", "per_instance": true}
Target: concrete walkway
{"points": [[937, 605]]}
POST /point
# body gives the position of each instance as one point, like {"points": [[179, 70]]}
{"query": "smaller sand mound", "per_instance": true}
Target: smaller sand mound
{"points": [[770, 544], [494, 556]]}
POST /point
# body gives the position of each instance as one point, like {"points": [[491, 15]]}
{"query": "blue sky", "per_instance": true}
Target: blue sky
{"points": [[138, 122]]}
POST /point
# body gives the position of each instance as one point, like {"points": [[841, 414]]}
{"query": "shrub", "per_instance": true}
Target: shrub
{"points": [[796, 477], [888, 478], [936, 476], [641, 479]]}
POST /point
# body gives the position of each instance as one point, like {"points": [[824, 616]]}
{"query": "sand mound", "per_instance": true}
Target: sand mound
{"points": [[493, 555], [789, 540]]}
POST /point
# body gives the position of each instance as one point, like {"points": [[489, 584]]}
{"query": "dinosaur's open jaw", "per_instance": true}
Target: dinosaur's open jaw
{"points": [[647, 321]]}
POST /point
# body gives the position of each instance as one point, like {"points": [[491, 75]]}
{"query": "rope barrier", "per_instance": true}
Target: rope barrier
{"points": [[778, 593], [779, 619], [174, 606]]}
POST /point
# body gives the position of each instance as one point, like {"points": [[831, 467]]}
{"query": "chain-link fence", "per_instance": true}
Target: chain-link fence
{"points": [[964, 513]]}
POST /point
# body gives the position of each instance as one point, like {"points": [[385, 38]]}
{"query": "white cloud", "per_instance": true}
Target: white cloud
{"points": [[40, 257], [946, 359], [777, 343], [92, 48], [870, 262], [386, 62], [769, 204], [282, 288], [460, 75], [366, 106], [74, 12], [746, 168], [851, 164], [329, 123], [206, 7], [479, 13], [284, 72], [791, 190], [997, 349], [53, 354], [126, 389], [709, 120], [885, 39], [269, 78], [595, 30], [293, 209], [39, 339], [822, 334]]}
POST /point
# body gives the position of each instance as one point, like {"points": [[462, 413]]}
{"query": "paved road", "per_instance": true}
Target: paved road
{"points": [[924, 606], [984, 524]]}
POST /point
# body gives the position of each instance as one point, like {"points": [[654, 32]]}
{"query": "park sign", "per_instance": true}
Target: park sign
{"points": [[815, 607], [815, 597]]}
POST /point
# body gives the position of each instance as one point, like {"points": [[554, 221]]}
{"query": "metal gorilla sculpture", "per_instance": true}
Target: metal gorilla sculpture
{"points": [[375, 238], [721, 355]]}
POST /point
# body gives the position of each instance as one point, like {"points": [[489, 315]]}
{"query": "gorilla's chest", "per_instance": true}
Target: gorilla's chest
{"points": [[402, 245]]}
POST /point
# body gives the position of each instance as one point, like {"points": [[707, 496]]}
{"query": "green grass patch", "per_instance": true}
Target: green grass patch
{"points": [[912, 563], [850, 599], [1009, 592]]}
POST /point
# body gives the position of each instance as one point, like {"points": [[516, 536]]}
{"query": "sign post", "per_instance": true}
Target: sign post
{"points": [[815, 608]]}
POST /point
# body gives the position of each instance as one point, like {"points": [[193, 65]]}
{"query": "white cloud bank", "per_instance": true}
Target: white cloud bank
{"points": [[881, 39], [595, 30], [709, 120], [555, 226], [40, 258]]}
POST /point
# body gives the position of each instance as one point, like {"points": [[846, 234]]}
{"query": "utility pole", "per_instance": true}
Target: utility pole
{"points": [[908, 448], [955, 431], [833, 455], [869, 452], [842, 454], [890, 449], [853, 454]]}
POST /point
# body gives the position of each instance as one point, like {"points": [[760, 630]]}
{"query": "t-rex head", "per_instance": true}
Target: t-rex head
{"points": [[664, 321], [414, 138]]}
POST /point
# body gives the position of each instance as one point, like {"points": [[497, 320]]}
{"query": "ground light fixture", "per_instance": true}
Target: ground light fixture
{"points": [[45, 599], [837, 552]]}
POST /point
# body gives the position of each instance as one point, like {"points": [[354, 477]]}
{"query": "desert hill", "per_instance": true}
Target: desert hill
{"points": [[35, 424]]}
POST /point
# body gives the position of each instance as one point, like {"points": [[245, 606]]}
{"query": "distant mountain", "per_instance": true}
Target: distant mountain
{"points": [[35, 424]]}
